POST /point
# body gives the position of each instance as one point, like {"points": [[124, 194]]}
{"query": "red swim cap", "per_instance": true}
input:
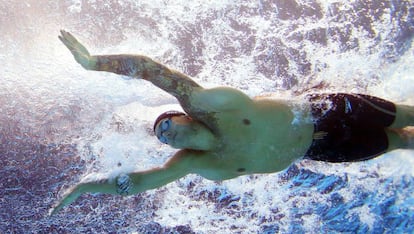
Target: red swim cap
{"points": [[165, 115]]}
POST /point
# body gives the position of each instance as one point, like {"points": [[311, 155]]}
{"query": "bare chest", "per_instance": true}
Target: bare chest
{"points": [[263, 141]]}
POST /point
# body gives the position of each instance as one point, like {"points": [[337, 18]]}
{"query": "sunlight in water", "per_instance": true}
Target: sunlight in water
{"points": [[60, 124]]}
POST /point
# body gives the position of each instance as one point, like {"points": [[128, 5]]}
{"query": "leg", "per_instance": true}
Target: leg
{"points": [[395, 140], [404, 116], [402, 138]]}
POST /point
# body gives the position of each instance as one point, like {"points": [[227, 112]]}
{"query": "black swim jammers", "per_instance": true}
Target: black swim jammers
{"points": [[349, 127]]}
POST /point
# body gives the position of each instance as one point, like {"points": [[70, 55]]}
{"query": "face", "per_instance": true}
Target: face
{"points": [[174, 130]]}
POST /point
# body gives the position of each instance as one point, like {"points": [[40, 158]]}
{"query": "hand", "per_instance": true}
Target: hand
{"points": [[70, 196], [79, 51], [122, 186]]}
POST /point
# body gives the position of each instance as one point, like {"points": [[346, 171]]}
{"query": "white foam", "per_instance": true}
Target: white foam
{"points": [[41, 81]]}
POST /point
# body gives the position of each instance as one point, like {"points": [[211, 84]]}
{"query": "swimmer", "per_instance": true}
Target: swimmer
{"points": [[223, 133]]}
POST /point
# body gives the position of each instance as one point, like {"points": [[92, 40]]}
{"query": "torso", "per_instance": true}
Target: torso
{"points": [[261, 137]]}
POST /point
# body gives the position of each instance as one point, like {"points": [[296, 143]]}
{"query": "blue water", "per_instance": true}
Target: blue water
{"points": [[60, 123]]}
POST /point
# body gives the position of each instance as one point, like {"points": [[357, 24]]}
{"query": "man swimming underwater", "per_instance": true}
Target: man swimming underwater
{"points": [[224, 133]]}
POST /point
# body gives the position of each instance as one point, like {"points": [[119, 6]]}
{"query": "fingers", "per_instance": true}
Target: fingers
{"points": [[69, 196], [59, 206], [79, 51], [68, 40], [68, 37], [65, 40], [55, 209]]}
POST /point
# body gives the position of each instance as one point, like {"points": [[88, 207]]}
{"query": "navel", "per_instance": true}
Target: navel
{"points": [[246, 122]]}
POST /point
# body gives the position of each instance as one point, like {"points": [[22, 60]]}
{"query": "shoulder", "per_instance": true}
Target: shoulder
{"points": [[220, 98]]}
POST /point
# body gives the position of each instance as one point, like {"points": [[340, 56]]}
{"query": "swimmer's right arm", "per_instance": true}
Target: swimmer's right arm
{"points": [[137, 66]]}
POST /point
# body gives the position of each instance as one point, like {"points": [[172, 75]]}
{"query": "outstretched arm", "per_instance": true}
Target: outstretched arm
{"points": [[137, 66], [177, 167]]}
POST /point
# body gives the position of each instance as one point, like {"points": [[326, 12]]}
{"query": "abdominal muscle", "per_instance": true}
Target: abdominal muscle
{"points": [[267, 151], [263, 138], [264, 157], [283, 134], [250, 158]]}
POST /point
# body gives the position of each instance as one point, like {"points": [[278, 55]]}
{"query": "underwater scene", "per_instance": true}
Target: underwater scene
{"points": [[60, 123]]}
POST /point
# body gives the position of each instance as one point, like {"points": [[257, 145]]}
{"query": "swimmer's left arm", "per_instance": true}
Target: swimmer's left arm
{"points": [[181, 164], [101, 186], [177, 167]]}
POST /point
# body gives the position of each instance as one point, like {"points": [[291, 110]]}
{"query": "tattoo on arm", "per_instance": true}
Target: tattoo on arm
{"points": [[119, 64], [123, 184], [173, 82]]}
